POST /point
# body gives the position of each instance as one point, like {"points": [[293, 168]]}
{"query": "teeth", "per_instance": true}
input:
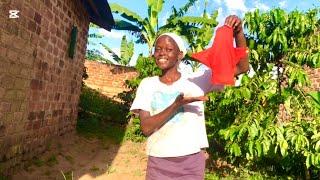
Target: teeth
{"points": [[162, 60]]}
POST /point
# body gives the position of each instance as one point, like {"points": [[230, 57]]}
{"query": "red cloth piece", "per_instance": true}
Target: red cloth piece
{"points": [[222, 57]]}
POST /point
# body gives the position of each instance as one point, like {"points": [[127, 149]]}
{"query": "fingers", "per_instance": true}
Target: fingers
{"points": [[181, 99], [193, 99], [202, 98], [233, 21]]}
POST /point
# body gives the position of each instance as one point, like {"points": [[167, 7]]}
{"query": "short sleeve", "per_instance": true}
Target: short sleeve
{"points": [[142, 101]]}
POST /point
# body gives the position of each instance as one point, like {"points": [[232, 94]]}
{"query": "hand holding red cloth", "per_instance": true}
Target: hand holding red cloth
{"points": [[222, 57]]}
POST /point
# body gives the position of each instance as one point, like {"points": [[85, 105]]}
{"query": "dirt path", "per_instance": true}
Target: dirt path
{"points": [[87, 159]]}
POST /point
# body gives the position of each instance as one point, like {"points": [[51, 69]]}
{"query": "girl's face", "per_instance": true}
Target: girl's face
{"points": [[167, 53]]}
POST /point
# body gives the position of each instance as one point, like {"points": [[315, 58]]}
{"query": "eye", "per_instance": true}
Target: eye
{"points": [[169, 49], [157, 49]]}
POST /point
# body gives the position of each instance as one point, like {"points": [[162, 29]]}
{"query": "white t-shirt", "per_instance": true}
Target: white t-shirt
{"points": [[185, 132]]}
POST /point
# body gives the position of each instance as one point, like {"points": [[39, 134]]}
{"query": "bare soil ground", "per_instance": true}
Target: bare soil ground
{"points": [[75, 157]]}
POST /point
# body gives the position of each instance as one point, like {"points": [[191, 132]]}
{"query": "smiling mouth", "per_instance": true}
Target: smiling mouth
{"points": [[162, 60]]}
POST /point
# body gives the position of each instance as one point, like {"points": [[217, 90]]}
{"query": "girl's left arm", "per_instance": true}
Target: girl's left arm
{"points": [[243, 65]]}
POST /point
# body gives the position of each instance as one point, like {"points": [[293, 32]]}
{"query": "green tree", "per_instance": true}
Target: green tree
{"points": [[143, 28], [96, 55], [246, 119], [126, 51]]}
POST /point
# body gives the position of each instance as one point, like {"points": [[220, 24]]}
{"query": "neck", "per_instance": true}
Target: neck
{"points": [[170, 76]]}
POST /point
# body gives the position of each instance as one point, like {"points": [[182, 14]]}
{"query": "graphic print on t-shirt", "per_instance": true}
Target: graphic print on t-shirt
{"points": [[161, 100]]}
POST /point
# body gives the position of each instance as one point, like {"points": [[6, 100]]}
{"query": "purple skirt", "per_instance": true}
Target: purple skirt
{"points": [[189, 167]]}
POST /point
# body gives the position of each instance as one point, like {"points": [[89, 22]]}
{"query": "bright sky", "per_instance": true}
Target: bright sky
{"points": [[224, 7]]}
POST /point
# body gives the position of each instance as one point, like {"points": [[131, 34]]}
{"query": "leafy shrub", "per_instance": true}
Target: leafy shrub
{"points": [[100, 116], [92, 101], [133, 131], [92, 126], [246, 120]]}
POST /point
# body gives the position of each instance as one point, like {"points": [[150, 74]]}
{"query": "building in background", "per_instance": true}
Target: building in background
{"points": [[42, 51]]}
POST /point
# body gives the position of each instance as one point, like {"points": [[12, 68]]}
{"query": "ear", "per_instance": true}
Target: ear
{"points": [[180, 55]]}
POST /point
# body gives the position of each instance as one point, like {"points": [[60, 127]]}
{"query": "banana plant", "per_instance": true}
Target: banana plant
{"points": [[143, 28], [147, 29], [126, 51]]}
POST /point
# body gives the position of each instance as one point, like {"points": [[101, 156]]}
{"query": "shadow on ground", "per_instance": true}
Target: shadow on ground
{"points": [[98, 149]]}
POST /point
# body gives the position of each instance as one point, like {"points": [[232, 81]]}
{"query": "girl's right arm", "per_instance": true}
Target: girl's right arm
{"points": [[150, 124]]}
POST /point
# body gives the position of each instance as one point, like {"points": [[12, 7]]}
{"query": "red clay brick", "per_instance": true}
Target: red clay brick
{"points": [[32, 26], [5, 107], [37, 18]]}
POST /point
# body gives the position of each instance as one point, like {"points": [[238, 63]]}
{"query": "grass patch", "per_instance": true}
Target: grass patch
{"points": [[67, 175], [237, 175], [101, 117], [2, 177], [52, 160], [92, 127], [241, 173], [103, 107], [133, 131], [94, 169], [110, 169], [38, 162], [69, 159], [47, 173]]}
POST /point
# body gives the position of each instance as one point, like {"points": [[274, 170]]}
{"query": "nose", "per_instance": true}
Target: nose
{"points": [[162, 52]]}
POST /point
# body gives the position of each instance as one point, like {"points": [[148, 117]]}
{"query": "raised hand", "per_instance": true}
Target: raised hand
{"points": [[234, 22], [182, 99]]}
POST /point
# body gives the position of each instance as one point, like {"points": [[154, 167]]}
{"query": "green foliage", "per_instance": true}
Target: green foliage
{"points": [[246, 119], [2, 177], [315, 96], [126, 51], [243, 173], [94, 127], [142, 28], [52, 160], [101, 117], [67, 175], [95, 55], [133, 131], [93, 102]]}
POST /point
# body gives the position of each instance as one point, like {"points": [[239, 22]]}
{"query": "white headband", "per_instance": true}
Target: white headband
{"points": [[177, 39]]}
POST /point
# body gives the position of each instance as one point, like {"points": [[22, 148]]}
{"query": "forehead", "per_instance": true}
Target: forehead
{"points": [[166, 40]]}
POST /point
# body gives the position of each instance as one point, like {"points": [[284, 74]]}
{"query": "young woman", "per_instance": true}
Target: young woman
{"points": [[171, 111]]}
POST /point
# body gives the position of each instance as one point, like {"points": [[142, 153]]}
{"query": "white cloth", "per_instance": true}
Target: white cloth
{"points": [[179, 41], [185, 132]]}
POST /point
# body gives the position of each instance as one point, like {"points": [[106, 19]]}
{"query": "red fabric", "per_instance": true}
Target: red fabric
{"points": [[222, 57]]}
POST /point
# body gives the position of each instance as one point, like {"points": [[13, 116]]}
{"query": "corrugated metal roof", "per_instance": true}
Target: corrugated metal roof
{"points": [[100, 13]]}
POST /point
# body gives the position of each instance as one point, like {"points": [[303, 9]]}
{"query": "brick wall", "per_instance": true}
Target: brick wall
{"points": [[39, 83], [109, 79]]}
